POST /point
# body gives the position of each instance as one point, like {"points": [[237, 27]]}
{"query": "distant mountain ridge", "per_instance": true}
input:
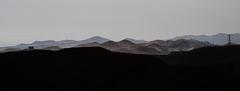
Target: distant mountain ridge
{"points": [[136, 41], [157, 47], [128, 45], [217, 39], [62, 44]]}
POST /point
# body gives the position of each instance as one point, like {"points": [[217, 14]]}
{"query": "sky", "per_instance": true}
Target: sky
{"points": [[23, 21]]}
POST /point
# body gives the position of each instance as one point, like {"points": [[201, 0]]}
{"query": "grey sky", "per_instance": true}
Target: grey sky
{"points": [[29, 20]]}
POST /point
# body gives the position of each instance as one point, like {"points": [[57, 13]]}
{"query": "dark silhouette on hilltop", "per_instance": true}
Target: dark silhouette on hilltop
{"points": [[97, 69], [229, 39]]}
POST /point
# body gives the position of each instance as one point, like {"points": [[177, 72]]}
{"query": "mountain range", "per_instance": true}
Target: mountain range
{"points": [[62, 44], [129, 45], [157, 47], [217, 39]]}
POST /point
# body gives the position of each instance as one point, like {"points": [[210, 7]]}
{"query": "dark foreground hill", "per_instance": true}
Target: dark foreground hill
{"points": [[97, 69]]}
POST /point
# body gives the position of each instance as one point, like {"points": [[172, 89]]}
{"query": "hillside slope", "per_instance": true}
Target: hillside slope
{"points": [[97, 69]]}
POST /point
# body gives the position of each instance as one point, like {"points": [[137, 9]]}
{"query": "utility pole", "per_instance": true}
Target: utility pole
{"points": [[229, 40]]}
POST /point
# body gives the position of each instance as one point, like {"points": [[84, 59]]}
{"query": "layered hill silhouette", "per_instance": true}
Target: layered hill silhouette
{"points": [[62, 44], [166, 45], [128, 45], [98, 69], [157, 47], [217, 39]]}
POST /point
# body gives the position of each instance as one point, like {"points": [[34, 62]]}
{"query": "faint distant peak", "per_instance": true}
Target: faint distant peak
{"points": [[47, 41], [97, 39], [126, 42], [68, 41], [136, 41]]}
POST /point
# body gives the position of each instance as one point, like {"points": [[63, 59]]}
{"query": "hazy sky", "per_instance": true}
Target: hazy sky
{"points": [[29, 20]]}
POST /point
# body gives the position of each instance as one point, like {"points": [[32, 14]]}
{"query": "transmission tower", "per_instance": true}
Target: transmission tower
{"points": [[229, 39]]}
